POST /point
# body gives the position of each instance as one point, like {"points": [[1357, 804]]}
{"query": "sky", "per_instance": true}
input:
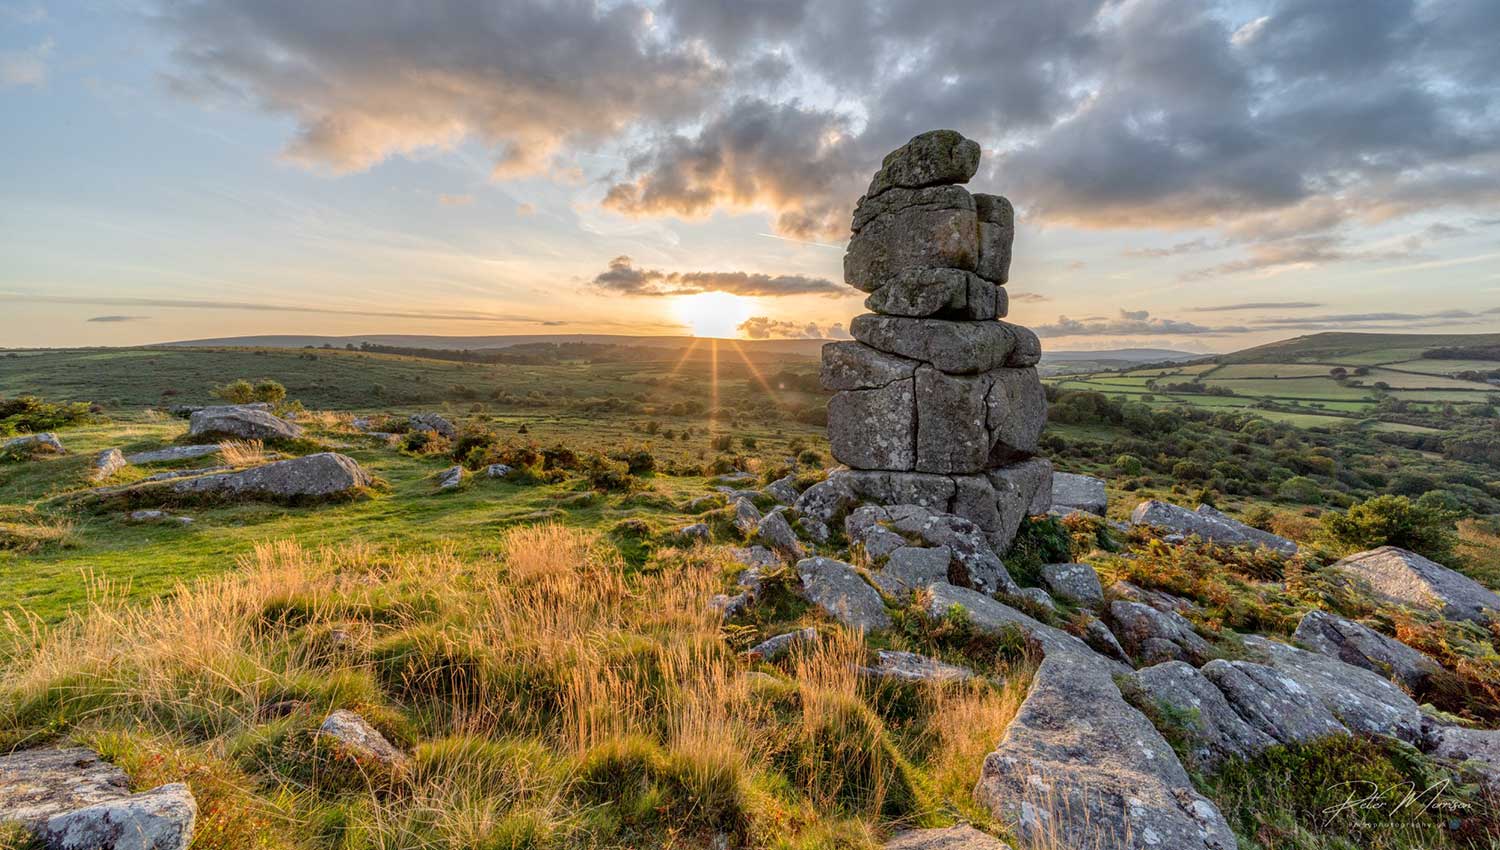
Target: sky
{"points": [[1197, 175]]}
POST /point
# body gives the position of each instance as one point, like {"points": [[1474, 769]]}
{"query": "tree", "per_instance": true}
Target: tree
{"points": [[1420, 527]]}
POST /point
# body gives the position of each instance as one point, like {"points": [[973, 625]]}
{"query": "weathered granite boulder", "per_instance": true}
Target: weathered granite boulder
{"points": [[783, 490], [997, 232], [1277, 706], [947, 838], [1016, 413], [1216, 730], [70, 799], [1407, 578], [936, 157], [856, 366], [988, 616], [838, 589], [107, 463], [1478, 749], [1208, 524], [952, 433], [1103, 641], [1155, 636], [431, 422], [778, 647], [912, 568], [452, 477], [1071, 492], [1077, 584], [972, 563], [1038, 597], [241, 422], [825, 503], [746, 516], [172, 454], [874, 428], [942, 293], [351, 734], [1155, 598], [322, 475], [1362, 701], [774, 532], [958, 348], [890, 665], [901, 229], [698, 531], [1362, 646], [497, 470], [42, 443]]}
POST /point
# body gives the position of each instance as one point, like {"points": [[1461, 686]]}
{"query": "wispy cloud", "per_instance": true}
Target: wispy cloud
{"points": [[1132, 323], [206, 304], [1259, 305], [25, 67], [624, 278], [118, 318]]}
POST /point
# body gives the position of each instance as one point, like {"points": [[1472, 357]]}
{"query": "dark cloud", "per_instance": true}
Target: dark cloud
{"points": [[1131, 323], [624, 278], [765, 327], [1260, 305], [118, 318]]}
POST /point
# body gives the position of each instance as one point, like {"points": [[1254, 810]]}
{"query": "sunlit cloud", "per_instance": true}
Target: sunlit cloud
{"points": [[624, 278]]}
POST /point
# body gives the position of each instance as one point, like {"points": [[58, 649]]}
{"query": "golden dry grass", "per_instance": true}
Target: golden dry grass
{"points": [[242, 453]]}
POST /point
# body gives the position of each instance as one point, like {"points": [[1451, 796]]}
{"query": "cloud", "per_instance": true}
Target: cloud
{"points": [[1130, 323], [525, 78], [1259, 305], [765, 327], [208, 304], [1027, 297], [1375, 320], [119, 318], [25, 67], [525, 209], [624, 278], [455, 200]]}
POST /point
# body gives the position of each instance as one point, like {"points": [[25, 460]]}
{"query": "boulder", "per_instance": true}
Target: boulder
{"points": [[997, 233], [825, 503], [891, 665], [241, 422], [1103, 641], [1274, 705], [1208, 524], [838, 589], [987, 616], [936, 157], [695, 531], [351, 734], [972, 563], [912, 568], [902, 229], [452, 477], [172, 454], [774, 532], [947, 838], [1038, 597], [1215, 730], [778, 647], [43, 443], [923, 292], [1076, 584], [1155, 598], [322, 475], [431, 422], [1478, 749], [1015, 414], [951, 432], [1071, 492], [73, 799], [856, 366], [1362, 646], [1155, 636], [107, 463], [874, 429], [159, 516], [497, 470], [958, 348], [1407, 578], [1362, 701], [783, 490], [746, 516], [1025, 347]]}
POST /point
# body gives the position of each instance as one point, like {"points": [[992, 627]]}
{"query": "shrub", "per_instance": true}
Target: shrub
{"points": [[1300, 489], [28, 414], [1391, 521], [241, 391]]}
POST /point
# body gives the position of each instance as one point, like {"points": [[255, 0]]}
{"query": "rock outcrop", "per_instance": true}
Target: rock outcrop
{"points": [[71, 799], [838, 589], [319, 476], [1187, 698], [1407, 578], [1208, 524], [935, 400], [432, 422], [1076, 584], [353, 735], [241, 422], [44, 443], [1071, 492], [107, 463], [950, 838], [972, 561], [1362, 646], [172, 454]]}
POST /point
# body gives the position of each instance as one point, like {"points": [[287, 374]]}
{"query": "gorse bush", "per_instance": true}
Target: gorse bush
{"points": [[28, 414], [242, 391], [1392, 521]]}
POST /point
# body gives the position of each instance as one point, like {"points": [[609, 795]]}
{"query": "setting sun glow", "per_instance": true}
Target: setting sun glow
{"points": [[713, 314]]}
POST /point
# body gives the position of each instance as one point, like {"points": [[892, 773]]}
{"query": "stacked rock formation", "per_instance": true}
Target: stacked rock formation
{"points": [[937, 401]]}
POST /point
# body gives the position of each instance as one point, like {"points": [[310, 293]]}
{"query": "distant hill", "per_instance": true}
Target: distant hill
{"points": [[1127, 355], [1335, 346]]}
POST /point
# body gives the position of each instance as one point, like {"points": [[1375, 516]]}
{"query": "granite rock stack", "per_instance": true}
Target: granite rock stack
{"points": [[936, 400]]}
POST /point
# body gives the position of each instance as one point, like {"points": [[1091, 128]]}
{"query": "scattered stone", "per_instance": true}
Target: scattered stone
{"points": [[175, 474], [756, 558], [1208, 524], [353, 735], [972, 562], [70, 799], [880, 542], [160, 819], [159, 516], [1216, 730], [241, 422], [937, 157], [1407, 578], [696, 531], [783, 490], [825, 503], [1155, 598], [1076, 584], [1079, 492], [912, 568], [431, 422], [949, 838], [37, 784], [891, 665], [1277, 706], [172, 454], [107, 463], [776, 648], [452, 477], [737, 477], [776, 533], [746, 516], [322, 475], [497, 470], [1155, 636], [45, 442], [1362, 646], [838, 589]]}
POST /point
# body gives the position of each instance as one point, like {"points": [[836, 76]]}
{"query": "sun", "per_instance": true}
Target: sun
{"points": [[713, 314]]}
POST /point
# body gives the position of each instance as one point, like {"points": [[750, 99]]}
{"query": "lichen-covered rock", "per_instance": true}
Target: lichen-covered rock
{"points": [[1016, 413], [1077, 584], [1407, 578], [904, 229], [783, 490], [352, 735], [855, 366], [948, 838], [107, 463], [433, 422], [997, 233], [497, 470], [874, 429], [912, 568], [452, 477], [774, 532], [972, 562], [952, 433], [160, 819], [1272, 704], [73, 799], [42, 443], [1208, 524], [778, 647], [1038, 597], [746, 516], [698, 531], [838, 589], [936, 157], [1216, 731], [891, 665], [37, 784], [241, 422], [1352, 643], [923, 292], [1478, 749], [1103, 641], [1362, 701], [1072, 492], [825, 503], [173, 454], [1155, 636], [323, 475], [958, 348]]}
